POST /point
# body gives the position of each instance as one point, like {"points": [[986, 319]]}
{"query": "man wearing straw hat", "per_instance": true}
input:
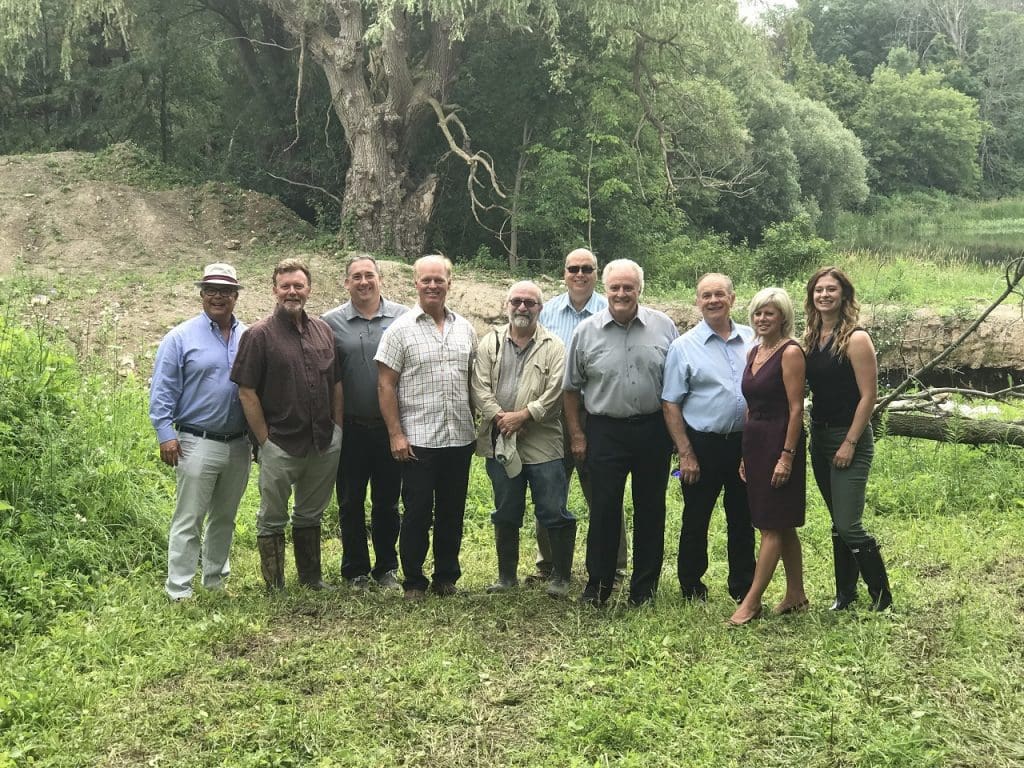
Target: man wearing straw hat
{"points": [[195, 410]]}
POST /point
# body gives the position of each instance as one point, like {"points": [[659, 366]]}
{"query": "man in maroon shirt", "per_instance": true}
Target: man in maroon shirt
{"points": [[289, 382]]}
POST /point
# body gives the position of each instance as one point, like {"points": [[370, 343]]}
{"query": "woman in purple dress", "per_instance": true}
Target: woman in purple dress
{"points": [[774, 463]]}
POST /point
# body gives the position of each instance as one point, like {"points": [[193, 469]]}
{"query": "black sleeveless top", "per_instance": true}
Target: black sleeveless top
{"points": [[834, 389]]}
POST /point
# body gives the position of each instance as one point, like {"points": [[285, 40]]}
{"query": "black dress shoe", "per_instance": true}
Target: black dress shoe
{"points": [[590, 596]]}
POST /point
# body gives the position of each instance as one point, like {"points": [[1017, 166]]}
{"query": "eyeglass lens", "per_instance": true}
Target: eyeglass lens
{"points": [[575, 269], [211, 291], [528, 303]]}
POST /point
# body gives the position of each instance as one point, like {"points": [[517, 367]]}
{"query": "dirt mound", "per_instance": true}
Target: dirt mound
{"points": [[109, 245]]}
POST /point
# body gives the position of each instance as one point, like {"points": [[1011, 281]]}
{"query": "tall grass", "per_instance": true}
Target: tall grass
{"points": [[80, 495]]}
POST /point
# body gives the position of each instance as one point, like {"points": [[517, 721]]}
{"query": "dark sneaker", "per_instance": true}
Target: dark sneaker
{"points": [[388, 580], [362, 583]]}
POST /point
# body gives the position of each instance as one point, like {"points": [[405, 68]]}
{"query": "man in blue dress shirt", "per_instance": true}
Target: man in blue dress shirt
{"points": [[704, 411], [561, 315], [195, 410]]}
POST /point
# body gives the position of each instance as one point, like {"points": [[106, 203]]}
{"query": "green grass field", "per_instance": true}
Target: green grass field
{"points": [[351, 679]]}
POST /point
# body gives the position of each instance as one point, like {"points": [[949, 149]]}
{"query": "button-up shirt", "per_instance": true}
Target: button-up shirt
{"points": [[704, 372], [356, 339], [619, 368], [433, 377], [192, 380], [293, 373], [560, 317]]}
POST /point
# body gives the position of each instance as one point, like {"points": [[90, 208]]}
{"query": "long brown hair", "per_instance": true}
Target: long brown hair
{"points": [[849, 313]]}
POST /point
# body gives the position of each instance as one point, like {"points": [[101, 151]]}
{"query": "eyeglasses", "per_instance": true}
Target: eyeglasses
{"points": [[528, 303], [575, 269], [210, 291]]}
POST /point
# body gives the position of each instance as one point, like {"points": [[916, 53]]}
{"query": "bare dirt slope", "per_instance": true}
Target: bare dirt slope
{"points": [[112, 263]]}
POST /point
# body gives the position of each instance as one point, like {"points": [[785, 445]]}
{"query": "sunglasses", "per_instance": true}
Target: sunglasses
{"points": [[575, 269], [528, 303]]}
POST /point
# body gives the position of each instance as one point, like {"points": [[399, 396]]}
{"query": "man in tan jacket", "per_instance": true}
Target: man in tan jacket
{"points": [[516, 388]]}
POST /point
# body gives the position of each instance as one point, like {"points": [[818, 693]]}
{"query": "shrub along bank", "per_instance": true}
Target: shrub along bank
{"points": [[81, 494]]}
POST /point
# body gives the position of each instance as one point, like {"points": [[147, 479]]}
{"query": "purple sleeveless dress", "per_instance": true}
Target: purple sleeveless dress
{"points": [[764, 435]]}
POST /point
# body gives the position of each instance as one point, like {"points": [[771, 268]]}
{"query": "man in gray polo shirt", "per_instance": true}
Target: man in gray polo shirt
{"points": [[616, 363], [366, 453]]}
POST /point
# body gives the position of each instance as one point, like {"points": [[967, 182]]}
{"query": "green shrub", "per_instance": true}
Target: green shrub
{"points": [[681, 262], [81, 491], [790, 250]]}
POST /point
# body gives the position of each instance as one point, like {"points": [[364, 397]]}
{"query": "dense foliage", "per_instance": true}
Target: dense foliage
{"points": [[80, 495], [633, 128]]}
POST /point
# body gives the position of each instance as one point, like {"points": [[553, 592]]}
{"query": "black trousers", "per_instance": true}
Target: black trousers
{"points": [[616, 448], [366, 461], [434, 490], [719, 459]]}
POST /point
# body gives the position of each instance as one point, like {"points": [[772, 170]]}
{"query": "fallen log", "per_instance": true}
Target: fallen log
{"points": [[946, 428]]}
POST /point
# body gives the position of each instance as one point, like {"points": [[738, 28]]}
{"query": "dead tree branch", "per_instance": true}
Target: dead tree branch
{"points": [[335, 198], [1014, 273]]}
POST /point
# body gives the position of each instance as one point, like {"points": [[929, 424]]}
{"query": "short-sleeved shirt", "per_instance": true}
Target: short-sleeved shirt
{"points": [[433, 377], [704, 375], [293, 373], [560, 317], [620, 368], [356, 339]]}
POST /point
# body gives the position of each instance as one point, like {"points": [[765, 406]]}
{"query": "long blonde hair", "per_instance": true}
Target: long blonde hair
{"points": [[849, 313]]}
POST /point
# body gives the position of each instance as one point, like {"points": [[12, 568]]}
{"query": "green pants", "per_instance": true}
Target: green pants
{"points": [[843, 489]]}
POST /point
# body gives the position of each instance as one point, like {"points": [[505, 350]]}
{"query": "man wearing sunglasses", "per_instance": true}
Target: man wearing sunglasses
{"points": [[561, 315], [517, 389], [199, 423]]}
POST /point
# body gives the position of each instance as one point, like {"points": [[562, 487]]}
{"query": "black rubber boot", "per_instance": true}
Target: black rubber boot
{"points": [[563, 547], [506, 542], [271, 550], [306, 542], [869, 559], [847, 573]]}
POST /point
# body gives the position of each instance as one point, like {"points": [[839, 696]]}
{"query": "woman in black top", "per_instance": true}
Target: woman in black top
{"points": [[842, 373]]}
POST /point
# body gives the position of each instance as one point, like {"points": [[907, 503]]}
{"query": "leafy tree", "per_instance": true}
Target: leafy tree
{"points": [[919, 133], [1001, 63]]}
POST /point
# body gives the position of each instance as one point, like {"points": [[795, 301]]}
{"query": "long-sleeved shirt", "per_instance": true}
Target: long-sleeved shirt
{"points": [[192, 380]]}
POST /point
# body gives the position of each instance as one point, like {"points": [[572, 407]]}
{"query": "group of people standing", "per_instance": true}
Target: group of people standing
{"points": [[376, 396]]}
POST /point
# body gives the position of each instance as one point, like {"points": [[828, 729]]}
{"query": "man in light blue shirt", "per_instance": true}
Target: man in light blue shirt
{"points": [[195, 410], [704, 411], [561, 315]]}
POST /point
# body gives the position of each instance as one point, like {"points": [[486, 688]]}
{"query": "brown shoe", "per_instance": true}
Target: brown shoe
{"points": [[444, 589]]}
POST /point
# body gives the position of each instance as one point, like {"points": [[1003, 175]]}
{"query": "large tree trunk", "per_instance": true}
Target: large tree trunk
{"points": [[381, 101], [953, 429]]}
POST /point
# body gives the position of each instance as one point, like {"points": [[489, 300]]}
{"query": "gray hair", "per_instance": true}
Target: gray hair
{"points": [[526, 284], [620, 263]]}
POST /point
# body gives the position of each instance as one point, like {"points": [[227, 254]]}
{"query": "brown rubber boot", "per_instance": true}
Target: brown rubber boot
{"points": [[306, 542], [272, 560]]}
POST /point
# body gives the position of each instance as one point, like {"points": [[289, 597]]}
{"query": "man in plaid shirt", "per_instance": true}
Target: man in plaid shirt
{"points": [[424, 361]]}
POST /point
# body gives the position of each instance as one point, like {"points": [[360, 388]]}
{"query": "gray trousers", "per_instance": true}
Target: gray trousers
{"points": [[312, 478], [211, 478], [843, 489]]}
